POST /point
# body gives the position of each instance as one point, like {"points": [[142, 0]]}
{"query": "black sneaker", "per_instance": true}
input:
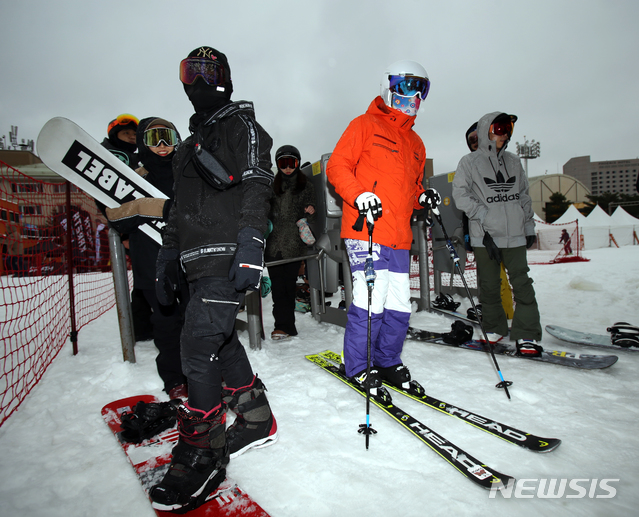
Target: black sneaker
{"points": [[397, 375]]}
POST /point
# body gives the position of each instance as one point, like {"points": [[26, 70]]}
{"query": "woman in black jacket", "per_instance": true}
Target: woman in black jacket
{"points": [[291, 207]]}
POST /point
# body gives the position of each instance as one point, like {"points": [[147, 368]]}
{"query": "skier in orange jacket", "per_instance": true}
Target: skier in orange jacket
{"points": [[377, 167]]}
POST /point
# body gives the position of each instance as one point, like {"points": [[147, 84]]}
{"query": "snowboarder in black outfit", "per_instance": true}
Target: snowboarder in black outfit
{"points": [[156, 140], [223, 184]]}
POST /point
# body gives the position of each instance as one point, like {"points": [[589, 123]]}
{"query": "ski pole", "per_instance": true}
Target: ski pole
{"points": [[369, 276], [455, 258]]}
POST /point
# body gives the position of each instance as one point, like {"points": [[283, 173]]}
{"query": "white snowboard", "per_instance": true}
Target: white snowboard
{"points": [[76, 156]]}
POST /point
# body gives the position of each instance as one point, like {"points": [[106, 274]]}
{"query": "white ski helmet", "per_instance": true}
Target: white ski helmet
{"points": [[392, 84]]}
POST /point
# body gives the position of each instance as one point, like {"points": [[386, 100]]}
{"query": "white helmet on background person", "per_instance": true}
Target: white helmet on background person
{"points": [[404, 85]]}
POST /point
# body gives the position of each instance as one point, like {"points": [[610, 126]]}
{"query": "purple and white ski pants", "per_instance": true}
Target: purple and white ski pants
{"points": [[390, 307]]}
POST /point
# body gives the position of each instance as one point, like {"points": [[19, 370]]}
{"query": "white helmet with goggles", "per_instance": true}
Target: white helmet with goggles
{"points": [[404, 85]]}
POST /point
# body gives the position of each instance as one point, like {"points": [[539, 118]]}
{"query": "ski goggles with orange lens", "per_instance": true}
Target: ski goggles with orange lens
{"points": [[409, 86], [212, 72], [502, 127], [287, 162], [123, 120], [156, 136]]}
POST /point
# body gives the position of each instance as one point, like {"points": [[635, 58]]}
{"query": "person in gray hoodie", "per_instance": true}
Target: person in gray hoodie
{"points": [[491, 188]]}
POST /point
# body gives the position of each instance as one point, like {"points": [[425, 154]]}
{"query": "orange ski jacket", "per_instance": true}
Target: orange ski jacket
{"points": [[379, 152]]}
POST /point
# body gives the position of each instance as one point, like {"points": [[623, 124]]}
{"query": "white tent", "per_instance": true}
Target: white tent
{"points": [[570, 215], [595, 230], [624, 227], [599, 230], [620, 216]]}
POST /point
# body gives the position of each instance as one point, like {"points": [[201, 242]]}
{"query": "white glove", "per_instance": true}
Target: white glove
{"points": [[369, 205], [430, 198]]}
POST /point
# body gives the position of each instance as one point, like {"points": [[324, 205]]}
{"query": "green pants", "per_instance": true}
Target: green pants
{"points": [[526, 323]]}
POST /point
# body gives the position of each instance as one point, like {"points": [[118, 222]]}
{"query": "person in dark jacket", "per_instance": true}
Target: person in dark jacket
{"points": [[156, 141], [215, 230], [121, 139], [292, 207]]}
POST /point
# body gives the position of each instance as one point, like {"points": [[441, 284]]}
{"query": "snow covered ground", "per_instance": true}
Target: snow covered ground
{"points": [[59, 459]]}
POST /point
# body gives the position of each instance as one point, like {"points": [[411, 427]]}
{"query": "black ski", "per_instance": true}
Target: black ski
{"points": [[510, 434], [470, 467], [583, 361]]}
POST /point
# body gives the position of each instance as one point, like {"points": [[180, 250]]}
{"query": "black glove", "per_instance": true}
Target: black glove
{"points": [[248, 262], [530, 240], [167, 274], [491, 247]]}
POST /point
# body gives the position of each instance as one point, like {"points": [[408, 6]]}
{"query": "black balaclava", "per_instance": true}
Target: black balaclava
{"points": [[209, 98]]}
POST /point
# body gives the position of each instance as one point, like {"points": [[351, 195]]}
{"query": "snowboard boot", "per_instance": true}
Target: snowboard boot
{"points": [[397, 375], [199, 461], [255, 426]]}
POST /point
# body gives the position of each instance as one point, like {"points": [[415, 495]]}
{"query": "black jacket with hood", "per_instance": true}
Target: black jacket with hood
{"points": [[204, 221], [158, 171], [292, 195]]}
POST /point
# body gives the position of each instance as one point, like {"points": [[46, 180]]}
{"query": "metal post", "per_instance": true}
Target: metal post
{"points": [[122, 295], [74, 333], [424, 273], [254, 319]]}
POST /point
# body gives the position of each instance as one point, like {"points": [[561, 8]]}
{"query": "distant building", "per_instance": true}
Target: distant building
{"points": [[542, 187], [614, 176]]}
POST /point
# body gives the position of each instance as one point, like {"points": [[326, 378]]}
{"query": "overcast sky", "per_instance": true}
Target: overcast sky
{"points": [[567, 68]]}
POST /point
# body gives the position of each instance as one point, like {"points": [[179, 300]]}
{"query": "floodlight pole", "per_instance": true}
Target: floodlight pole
{"points": [[528, 151]]}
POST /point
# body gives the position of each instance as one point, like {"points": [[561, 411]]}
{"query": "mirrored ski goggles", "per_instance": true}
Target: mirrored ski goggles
{"points": [[155, 136], [408, 85], [287, 162], [212, 72], [502, 127], [123, 120]]}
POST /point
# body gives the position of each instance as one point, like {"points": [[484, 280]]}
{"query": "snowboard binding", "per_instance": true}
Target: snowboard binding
{"points": [[147, 421], [529, 349], [459, 334], [445, 302], [624, 334]]}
